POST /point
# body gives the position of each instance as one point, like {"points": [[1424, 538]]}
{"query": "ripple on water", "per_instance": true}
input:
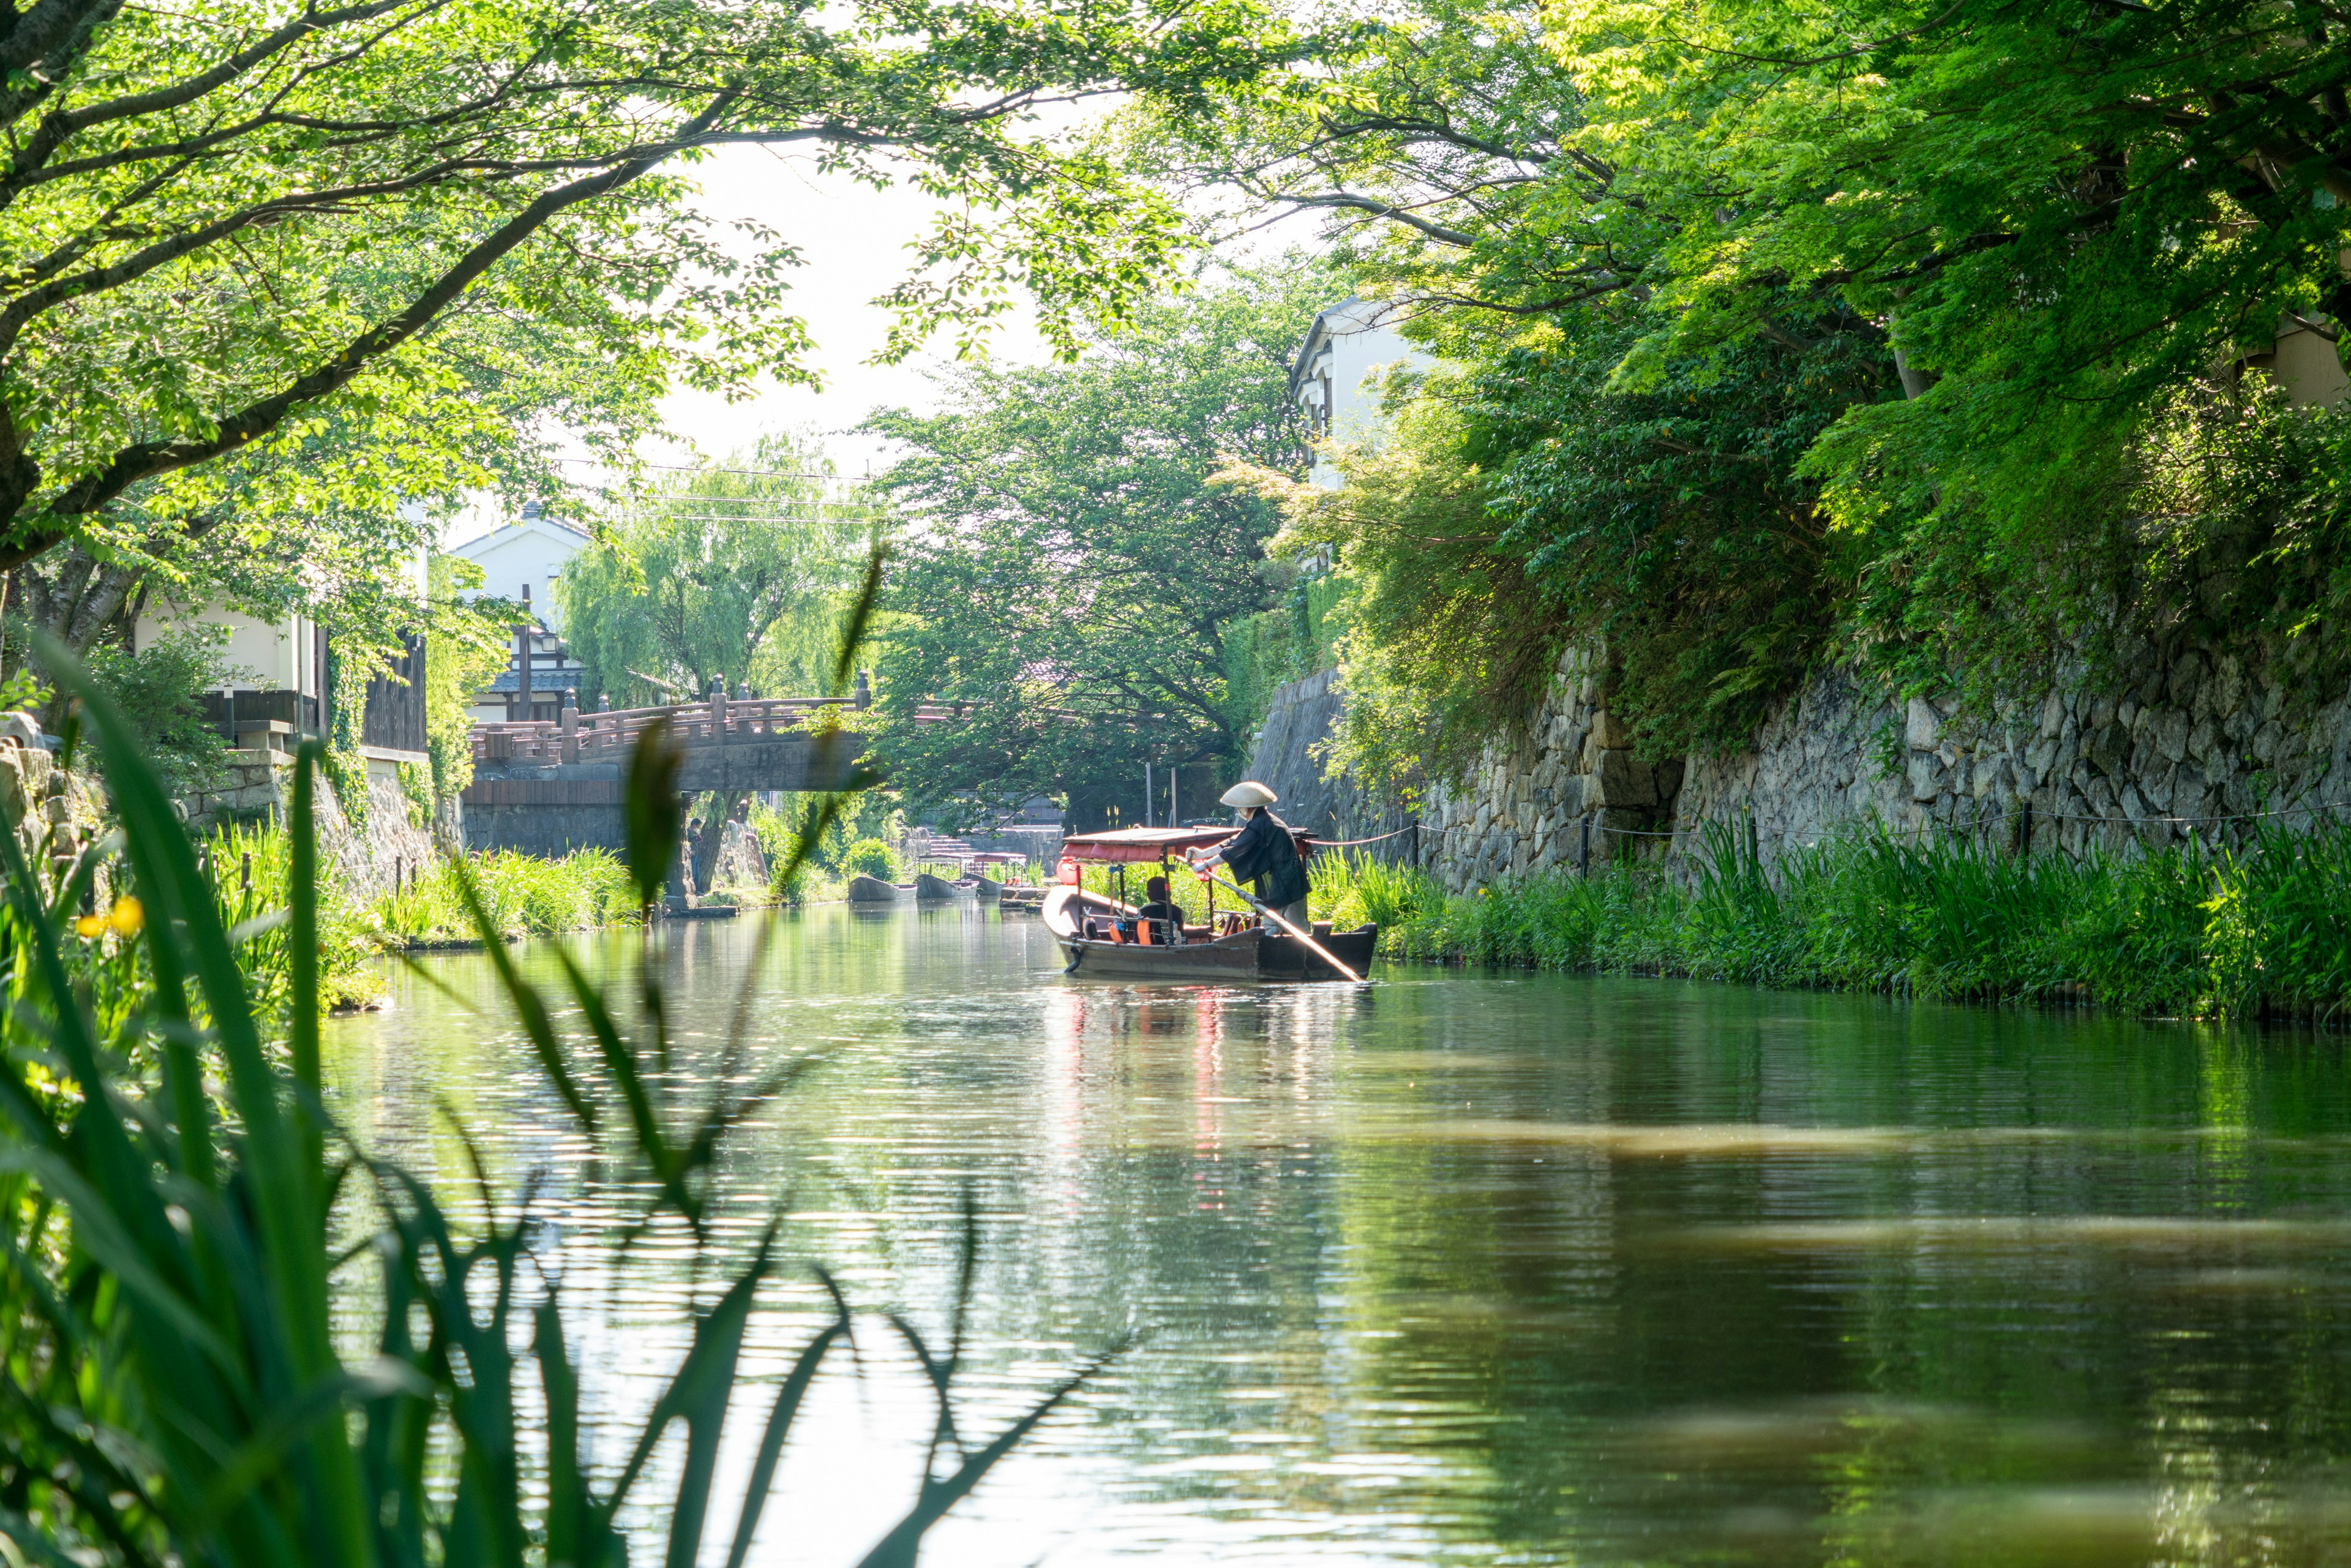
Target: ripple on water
{"points": [[1467, 1269]]}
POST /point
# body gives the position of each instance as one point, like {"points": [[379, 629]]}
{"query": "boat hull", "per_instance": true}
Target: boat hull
{"points": [[1226, 958], [1251, 954], [872, 890], [937, 889]]}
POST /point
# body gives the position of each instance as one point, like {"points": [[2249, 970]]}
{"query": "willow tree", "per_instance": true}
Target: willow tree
{"points": [[736, 571]]}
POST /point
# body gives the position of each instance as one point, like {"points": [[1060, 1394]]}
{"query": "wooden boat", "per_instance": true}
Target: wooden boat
{"points": [[932, 889], [865, 889], [1101, 936], [987, 891], [1091, 931]]}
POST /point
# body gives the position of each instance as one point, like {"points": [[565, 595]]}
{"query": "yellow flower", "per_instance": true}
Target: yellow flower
{"points": [[127, 918], [90, 925]]}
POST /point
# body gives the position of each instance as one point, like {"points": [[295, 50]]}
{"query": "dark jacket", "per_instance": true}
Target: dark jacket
{"points": [[1264, 852]]}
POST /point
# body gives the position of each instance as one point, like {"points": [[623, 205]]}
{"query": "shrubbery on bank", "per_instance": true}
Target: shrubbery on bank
{"points": [[2260, 930]]}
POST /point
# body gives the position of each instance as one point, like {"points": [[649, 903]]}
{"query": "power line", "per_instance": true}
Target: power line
{"points": [[689, 468]]}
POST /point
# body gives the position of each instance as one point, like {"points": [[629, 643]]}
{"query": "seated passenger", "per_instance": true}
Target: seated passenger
{"points": [[1163, 907]]}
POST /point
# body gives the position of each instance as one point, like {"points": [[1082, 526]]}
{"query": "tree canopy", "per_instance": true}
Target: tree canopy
{"points": [[244, 231], [1070, 568], [1901, 329]]}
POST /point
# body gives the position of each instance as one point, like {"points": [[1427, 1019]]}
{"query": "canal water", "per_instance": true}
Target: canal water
{"points": [[1476, 1268]]}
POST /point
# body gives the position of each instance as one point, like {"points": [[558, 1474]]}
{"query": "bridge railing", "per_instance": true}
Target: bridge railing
{"points": [[599, 736]]}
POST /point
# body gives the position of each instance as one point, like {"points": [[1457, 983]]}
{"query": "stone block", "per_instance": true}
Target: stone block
{"points": [[1610, 731], [2188, 673], [2108, 749], [2052, 717], [2268, 742], [2170, 734], [1624, 779], [1922, 726], [2229, 685], [1926, 776], [1670, 773]]}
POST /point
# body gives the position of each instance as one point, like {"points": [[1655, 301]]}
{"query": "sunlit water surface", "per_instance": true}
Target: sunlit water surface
{"points": [[1479, 1267]]}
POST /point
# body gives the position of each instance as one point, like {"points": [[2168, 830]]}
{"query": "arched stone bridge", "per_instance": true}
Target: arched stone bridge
{"points": [[551, 785]]}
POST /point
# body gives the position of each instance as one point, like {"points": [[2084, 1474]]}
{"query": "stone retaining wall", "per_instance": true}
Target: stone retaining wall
{"points": [[1299, 719], [259, 784], [2198, 745], [2194, 744]]}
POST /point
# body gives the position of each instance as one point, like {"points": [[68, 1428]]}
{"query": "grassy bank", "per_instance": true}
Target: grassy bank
{"points": [[522, 894], [2262, 930]]}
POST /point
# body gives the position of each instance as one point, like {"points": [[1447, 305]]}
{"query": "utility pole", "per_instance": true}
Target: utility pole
{"points": [[520, 713]]}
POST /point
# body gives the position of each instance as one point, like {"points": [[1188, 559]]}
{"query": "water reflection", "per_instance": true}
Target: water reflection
{"points": [[1515, 1268]]}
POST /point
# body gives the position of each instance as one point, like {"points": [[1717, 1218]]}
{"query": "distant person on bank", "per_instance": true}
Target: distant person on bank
{"points": [[1262, 853]]}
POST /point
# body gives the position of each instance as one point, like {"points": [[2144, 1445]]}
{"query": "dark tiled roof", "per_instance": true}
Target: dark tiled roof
{"points": [[547, 680]]}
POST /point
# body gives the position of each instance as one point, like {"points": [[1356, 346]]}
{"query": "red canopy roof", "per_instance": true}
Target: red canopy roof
{"points": [[1142, 844]]}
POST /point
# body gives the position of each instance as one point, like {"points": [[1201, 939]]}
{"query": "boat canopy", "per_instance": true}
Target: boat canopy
{"points": [[1130, 845]]}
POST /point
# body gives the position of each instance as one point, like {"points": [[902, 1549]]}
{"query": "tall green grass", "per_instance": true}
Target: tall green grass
{"points": [[2259, 929], [251, 867], [519, 895], [236, 1338]]}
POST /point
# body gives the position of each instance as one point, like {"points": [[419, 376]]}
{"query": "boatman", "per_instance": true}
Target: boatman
{"points": [[1262, 852]]}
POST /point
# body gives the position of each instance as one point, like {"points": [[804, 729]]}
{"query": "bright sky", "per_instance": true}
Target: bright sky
{"points": [[853, 242]]}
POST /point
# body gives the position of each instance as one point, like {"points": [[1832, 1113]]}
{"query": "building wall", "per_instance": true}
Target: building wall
{"points": [[528, 553], [282, 654], [1347, 343]]}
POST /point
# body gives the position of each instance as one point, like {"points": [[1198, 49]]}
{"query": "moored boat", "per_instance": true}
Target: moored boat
{"points": [[935, 889], [864, 889]]}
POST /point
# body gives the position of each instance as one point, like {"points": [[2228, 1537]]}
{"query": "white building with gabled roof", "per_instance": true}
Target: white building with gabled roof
{"points": [[1333, 378], [522, 558]]}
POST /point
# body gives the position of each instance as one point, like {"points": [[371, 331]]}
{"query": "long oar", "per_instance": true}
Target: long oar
{"points": [[1271, 914]]}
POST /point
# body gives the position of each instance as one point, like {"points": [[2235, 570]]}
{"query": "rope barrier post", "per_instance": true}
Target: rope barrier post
{"points": [[1583, 857]]}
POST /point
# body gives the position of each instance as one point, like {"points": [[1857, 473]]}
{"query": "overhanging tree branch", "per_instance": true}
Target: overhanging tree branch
{"points": [[147, 460]]}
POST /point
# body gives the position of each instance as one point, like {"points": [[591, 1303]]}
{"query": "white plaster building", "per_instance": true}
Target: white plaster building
{"points": [[283, 673], [523, 558], [1332, 376]]}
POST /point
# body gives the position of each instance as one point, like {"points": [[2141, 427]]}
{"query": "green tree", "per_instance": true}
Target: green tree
{"points": [[736, 571], [468, 641], [739, 571], [1070, 568], [220, 226], [1900, 329]]}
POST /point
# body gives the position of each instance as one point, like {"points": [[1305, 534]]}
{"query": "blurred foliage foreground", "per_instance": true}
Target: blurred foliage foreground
{"points": [[233, 1336]]}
